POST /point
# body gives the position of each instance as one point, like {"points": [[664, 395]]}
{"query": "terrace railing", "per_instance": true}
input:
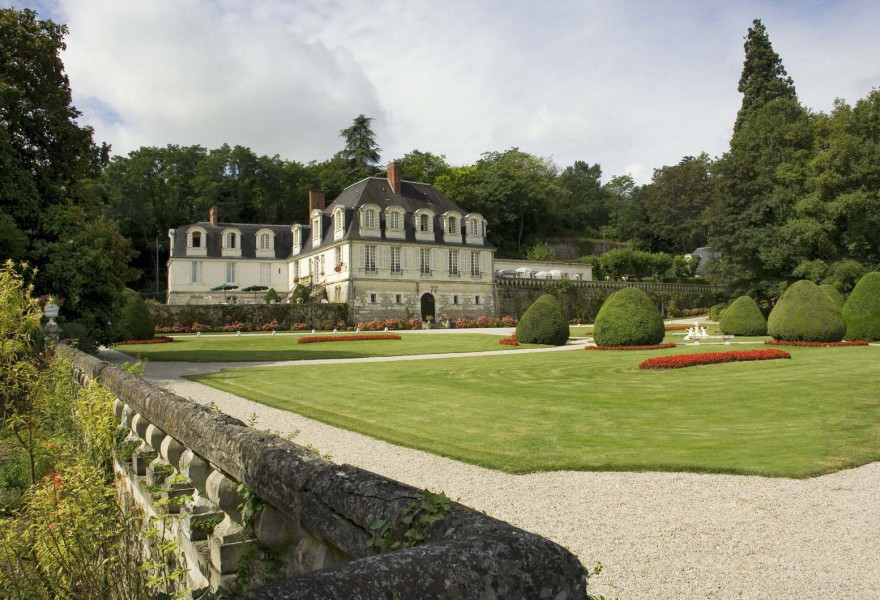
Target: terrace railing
{"points": [[332, 529]]}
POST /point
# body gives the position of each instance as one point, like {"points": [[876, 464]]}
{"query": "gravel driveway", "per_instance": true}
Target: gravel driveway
{"points": [[658, 535]]}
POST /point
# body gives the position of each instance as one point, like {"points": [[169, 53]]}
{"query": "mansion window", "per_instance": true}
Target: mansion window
{"points": [[337, 220], [230, 240], [455, 299], [337, 294], [370, 259], [264, 241], [230, 272], [398, 298], [453, 262], [195, 274], [197, 239], [296, 241], [394, 220], [395, 259], [370, 218], [453, 225], [338, 256], [475, 264], [423, 223], [265, 272], [425, 260], [316, 231], [372, 298], [296, 269], [476, 299], [474, 227]]}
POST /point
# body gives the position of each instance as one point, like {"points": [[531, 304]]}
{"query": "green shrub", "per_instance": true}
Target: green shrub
{"points": [[81, 335], [806, 313], [862, 309], [716, 312], [744, 317], [543, 323], [134, 321], [628, 318], [834, 294]]}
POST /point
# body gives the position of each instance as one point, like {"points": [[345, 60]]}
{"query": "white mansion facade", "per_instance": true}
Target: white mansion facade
{"points": [[387, 247]]}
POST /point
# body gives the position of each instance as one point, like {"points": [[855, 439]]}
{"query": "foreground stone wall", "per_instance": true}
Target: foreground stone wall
{"points": [[316, 519], [582, 299]]}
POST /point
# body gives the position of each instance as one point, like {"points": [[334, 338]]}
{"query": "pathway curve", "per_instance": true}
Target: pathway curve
{"points": [[658, 535]]}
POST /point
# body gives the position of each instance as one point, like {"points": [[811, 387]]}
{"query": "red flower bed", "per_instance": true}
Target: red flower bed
{"points": [[511, 341], [688, 360], [677, 327], [347, 338], [162, 339], [655, 347], [815, 344]]}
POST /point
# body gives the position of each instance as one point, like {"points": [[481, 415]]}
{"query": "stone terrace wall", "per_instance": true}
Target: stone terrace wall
{"points": [[215, 315], [317, 518], [582, 299]]}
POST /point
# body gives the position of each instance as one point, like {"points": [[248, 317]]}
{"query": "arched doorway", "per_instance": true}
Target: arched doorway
{"points": [[428, 307]]}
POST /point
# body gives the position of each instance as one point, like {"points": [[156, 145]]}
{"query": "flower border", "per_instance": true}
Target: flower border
{"points": [[815, 344], [679, 361], [314, 339], [161, 339], [654, 347]]}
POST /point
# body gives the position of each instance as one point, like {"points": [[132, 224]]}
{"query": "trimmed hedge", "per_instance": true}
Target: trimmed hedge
{"points": [[862, 309], [628, 318], [134, 321], [806, 313], [543, 323], [834, 294], [743, 317]]}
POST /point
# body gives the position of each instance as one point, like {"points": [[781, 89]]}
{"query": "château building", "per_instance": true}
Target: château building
{"points": [[387, 247]]}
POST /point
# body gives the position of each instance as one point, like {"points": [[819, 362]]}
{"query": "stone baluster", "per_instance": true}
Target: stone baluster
{"points": [[228, 541], [177, 491], [144, 454]]}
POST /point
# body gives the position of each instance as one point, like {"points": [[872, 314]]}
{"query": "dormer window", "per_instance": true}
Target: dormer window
{"points": [[474, 227], [264, 241], [423, 223], [370, 218], [453, 225], [394, 221], [316, 230], [338, 220], [197, 239], [229, 240], [230, 243], [196, 242], [296, 238]]}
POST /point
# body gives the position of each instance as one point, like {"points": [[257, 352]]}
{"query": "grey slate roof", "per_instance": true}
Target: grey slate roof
{"points": [[372, 190], [248, 241]]}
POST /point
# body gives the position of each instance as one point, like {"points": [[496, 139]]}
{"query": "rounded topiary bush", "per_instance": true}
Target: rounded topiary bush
{"points": [[834, 294], [743, 317], [806, 313], [134, 321], [628, 318], [543, 323], [862, 309]]}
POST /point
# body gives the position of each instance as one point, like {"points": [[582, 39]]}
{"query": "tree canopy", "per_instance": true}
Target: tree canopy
{"points": [[361, 152]]}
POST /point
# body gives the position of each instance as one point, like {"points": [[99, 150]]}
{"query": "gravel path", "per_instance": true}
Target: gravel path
{"points": [[658, 535]]}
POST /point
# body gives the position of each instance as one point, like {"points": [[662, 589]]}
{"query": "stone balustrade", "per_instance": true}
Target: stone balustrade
{"points": [[319, 522]]}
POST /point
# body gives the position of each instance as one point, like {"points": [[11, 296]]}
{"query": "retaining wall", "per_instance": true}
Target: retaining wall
{"points": [[317, 519], [582, 299]]}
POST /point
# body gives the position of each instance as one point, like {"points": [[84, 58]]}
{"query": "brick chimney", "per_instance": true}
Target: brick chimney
{"points": [[316, 200], [212, 214], [394, 177]]}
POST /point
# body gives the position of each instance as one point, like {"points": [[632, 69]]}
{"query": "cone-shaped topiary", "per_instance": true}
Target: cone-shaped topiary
{"points": [[743, 317], [628, 318], [806, 313], [862, 309], [134, 321], [543, 323], [834, 294]]}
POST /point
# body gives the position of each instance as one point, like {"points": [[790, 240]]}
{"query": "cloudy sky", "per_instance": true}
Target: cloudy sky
{"points": [[632, 85]]}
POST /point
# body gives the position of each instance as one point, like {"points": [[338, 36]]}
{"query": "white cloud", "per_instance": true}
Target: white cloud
{"points": [[630, 85]]}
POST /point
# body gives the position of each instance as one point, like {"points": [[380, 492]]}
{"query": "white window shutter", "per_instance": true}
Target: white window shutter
{"points": [[484, 262], [359, 256]]}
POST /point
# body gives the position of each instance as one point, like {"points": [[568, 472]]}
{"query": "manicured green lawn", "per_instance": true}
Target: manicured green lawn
{"points": [[227, 348], [594, 410]]}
